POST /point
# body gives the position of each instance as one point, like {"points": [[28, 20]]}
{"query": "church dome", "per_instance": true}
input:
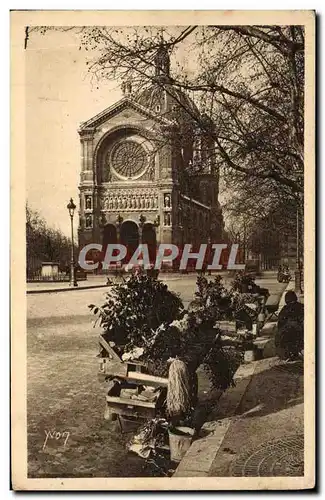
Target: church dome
{"points": [[162, 97], [165, 99]]}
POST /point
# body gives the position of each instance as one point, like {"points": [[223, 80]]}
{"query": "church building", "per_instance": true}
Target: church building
{"points": [[148, 171]]}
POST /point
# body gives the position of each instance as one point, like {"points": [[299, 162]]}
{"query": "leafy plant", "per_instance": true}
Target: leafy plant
{"points": [[214, 298], [195, 339], [221, 363], [143, 313], [135, 309], [243, 281]]}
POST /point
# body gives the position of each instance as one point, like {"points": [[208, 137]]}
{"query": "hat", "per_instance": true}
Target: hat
{"points": [[290, 296]]}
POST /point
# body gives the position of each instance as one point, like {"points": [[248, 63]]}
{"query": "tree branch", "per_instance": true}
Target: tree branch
{"points": [[280, 42]]}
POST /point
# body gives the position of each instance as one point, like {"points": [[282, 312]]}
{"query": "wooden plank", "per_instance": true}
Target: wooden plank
{"points": [[139, 412], [130, 403], [146, 379], [109, 349]]}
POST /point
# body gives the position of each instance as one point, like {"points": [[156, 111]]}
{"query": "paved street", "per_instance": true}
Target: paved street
{"points": [[266, 437], [72, 305], [64, 395]]}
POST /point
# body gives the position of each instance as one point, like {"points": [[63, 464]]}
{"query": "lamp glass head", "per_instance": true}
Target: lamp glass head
{"points": [[71, 207]]}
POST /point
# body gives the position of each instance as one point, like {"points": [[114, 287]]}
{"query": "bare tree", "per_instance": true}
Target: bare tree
{"points": [[247, 83], [248, 80], [44, 243]]}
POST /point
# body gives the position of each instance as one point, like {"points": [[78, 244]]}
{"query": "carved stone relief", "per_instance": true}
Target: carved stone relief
{"points": [[130, 200], [167, 219]]}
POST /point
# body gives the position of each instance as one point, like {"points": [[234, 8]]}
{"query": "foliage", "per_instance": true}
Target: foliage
{"points": [[199, 342], [214, 298], [221, 363], [143, 313], [135, 310], [44, 243], [218, 304], [243, 280], [240, 299]]}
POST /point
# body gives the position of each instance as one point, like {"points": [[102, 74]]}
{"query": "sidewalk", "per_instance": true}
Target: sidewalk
{"points": [[64, 286], [291, 286], [92, 282], [257, 427]]}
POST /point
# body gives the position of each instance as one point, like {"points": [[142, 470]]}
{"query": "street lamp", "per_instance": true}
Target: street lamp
{"points": [[298, 264], [71, 208], [119, 220], [142, 220]]}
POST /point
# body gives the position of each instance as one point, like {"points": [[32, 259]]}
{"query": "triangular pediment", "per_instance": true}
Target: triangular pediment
{"points": [[119, 107]]}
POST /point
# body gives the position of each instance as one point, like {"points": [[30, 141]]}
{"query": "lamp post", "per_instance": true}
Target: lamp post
{"points": [[298, 266], [118, 224], [119, 220], [142, 220], [245, 240], [71, 208]]}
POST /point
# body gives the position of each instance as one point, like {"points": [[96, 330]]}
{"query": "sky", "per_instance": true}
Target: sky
{"points": [[59, 96]]}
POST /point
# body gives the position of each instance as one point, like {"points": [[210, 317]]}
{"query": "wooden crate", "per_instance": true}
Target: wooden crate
{"points": [[132, 407], [113, 366]]}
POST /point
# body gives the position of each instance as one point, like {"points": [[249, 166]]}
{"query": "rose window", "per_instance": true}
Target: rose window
{"points": [[129, 159]]}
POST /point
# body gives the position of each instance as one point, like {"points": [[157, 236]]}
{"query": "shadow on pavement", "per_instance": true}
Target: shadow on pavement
{"points": [[273, 390]]}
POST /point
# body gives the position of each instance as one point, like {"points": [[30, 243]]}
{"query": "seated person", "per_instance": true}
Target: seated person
{"points": [[289, 339]]}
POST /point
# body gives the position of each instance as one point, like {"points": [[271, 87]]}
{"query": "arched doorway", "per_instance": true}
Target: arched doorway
{"points": [[109, 238], [129, 237], [109, 235], [149, 238]]}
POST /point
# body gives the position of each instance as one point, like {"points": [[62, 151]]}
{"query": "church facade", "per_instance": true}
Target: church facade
{"points": [[148, 172]]}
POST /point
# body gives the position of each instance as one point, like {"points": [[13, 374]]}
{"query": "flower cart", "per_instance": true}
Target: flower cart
{"points": [[148, 334], [132, 402], [132, 393]]}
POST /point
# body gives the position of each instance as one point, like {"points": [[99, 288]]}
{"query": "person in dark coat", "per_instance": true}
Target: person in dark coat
{"points": [[289, 340]]}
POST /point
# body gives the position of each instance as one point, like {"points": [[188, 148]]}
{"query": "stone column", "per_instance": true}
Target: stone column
{"points": [[86, 140]]}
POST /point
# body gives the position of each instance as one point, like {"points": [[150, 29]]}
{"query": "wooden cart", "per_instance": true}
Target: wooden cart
{"points": [[129, 375], [126, 409], [111, 365]]}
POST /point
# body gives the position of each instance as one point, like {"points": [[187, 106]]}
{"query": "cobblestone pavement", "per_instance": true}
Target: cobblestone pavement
{"points": [[64, 396], [64, 306], [280, 457], [265, 437]]}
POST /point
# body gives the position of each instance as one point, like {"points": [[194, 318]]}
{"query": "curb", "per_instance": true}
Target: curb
{"points": [[201, 454], [89, 287], [72, 289]]}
